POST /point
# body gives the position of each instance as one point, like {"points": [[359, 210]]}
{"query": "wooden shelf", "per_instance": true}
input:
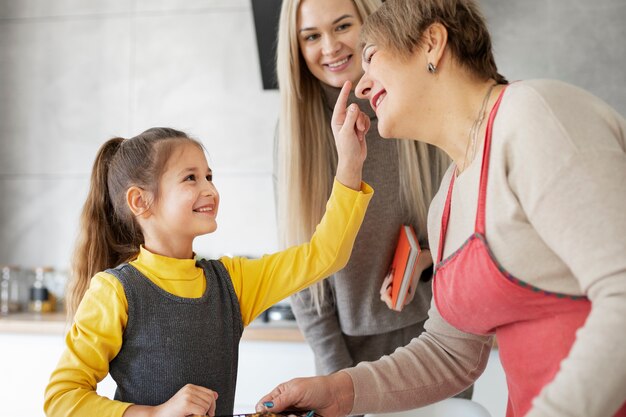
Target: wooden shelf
{"points": [[273, 332], [55, 323], [32, 323]]}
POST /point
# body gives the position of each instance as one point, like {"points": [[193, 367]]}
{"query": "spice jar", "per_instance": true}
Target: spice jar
{"points": [[41, 300], [9, 289]]}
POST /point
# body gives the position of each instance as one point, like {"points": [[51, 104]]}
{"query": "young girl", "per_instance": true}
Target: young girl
{"points": [[166, 326]]}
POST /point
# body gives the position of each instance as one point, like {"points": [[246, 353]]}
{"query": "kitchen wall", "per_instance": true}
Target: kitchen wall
{"points": [[577, 41], [74, 73]]}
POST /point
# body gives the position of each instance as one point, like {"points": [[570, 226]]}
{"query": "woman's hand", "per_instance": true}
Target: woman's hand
{"points": [[385, 290], [424, 260], [189, 400], [329, 396], [349, 127]]}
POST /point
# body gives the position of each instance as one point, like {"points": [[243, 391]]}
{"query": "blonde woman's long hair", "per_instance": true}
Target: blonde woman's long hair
{"points": [[306, 154]]}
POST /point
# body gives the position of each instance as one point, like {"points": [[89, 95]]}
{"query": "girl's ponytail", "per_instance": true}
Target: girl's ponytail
{"points": [[93, 251]]}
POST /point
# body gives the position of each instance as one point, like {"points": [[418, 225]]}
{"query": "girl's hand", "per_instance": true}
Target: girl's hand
{"points": [[424, 261], [349, 127], [189, 400], [329, 396]]}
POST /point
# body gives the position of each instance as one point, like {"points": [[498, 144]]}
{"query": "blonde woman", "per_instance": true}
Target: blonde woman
{"points": [[344, 319]]}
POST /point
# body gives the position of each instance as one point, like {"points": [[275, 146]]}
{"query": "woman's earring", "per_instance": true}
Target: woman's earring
{"points": [[432, 68]]}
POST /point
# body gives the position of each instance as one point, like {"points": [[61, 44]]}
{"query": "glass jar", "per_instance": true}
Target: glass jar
{"points": [[41, 300], [9, 289]]}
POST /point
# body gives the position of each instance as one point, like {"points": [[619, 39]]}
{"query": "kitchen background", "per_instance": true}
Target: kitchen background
{"points": [[74, 73]]}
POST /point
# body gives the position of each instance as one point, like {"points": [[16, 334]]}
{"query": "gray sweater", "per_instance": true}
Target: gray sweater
{"points": [[352, 303]]}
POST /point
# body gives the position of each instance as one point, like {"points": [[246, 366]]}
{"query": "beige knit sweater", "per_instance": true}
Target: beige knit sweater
{"points": [[556, 218]]}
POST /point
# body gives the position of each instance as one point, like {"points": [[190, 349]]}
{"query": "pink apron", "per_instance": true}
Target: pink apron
{"points": [[535, 329]]}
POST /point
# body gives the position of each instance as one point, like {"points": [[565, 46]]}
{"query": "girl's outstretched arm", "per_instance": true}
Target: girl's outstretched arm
{"points": [[260, 283]]}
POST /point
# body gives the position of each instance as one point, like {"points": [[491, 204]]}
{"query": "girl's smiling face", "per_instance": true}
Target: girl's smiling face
{"points": [[328, 36], [188, 200]]}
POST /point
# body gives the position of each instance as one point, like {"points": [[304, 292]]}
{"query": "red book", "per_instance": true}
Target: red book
{"points": [[403, 265]]}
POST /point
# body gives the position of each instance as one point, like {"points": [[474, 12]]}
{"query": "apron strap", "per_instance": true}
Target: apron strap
{"points": [[482, 191], [444, 220], [484, 171]]}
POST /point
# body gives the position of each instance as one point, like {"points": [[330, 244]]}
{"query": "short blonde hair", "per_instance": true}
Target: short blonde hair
{"points": [[400, 24]]}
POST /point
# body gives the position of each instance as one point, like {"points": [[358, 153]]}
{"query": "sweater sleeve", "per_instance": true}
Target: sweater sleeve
{"points": [[94, 339], [322, 330], [568, 172], [438, 364], [260, 283], [579, 213]]}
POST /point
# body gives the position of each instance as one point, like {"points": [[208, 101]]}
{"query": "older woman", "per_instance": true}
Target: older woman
{"points": [[528, 228]]}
